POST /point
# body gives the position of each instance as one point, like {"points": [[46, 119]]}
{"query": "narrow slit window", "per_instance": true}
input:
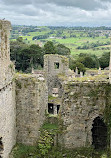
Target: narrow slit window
{"points": [[58, 107], [1, 147], [56, 65]]}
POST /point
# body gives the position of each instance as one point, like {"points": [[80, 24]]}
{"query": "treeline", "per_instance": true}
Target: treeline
{"points": [[92, 45], [28, 56], [45, 36], [84, 61], [80, 28], [62, 32]]}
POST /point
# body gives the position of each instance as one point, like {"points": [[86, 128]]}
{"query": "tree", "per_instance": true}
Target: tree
{"points": [[26, 56], [74, 63], [49, 48], [23, 60], [89, 61], [16, 49], [36, 56], [19, 39], [104, 60], [62, 50]]}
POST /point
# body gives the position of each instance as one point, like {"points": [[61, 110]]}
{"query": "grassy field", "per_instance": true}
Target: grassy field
{"points": [[81, 38], [72, 43]]}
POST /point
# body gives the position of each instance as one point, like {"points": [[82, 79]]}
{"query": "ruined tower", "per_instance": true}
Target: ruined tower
{"points": [[54, 65], [7, 93]]}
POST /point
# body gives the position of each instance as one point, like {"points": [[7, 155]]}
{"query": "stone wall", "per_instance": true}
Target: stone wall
{"points": [[31, 104], [7, 93], [7, 119], [81, 104], [6, 66]]}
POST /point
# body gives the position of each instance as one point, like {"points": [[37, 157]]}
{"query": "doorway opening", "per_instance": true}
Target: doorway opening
{"points": [[99, 134], [50, 108], [58, 107]]}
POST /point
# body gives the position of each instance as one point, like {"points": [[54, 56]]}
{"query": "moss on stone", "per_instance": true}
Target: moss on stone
{"points": [[18, 84], [64, 60]]}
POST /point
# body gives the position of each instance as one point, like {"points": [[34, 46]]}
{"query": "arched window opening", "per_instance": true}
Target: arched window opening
{"points": [[99, 134]]}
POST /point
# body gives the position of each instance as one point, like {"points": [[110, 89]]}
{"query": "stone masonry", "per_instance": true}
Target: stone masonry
{"points": [[24, 100], [7, 93], [31, 105], [54, 65], [81, 104]]}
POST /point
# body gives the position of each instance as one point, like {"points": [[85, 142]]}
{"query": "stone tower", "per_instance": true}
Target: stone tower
{"points": [[54, 65], [7, 93], [5, 28]]}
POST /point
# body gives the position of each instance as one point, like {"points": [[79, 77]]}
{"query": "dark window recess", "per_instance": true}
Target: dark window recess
{"points": [[99, 134], [50, 108], [1, 144], [1, 147], [56, 65], [58, 107]]}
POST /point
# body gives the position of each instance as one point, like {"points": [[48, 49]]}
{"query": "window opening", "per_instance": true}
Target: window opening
{"points": [[56, 65], [50, 108], [58, 107]]}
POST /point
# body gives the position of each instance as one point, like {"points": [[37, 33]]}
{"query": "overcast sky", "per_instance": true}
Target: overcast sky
{"points": [[57, 12]]}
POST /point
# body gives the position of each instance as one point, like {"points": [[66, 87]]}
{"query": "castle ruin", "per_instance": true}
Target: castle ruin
{"points": [[7, 93], [82, 103]]}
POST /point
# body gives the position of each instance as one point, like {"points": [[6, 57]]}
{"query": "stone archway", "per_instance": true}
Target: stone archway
{"points": [[99, 133]]}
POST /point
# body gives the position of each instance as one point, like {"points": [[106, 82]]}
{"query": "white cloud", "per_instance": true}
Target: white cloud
{"points": [[56, 12]]}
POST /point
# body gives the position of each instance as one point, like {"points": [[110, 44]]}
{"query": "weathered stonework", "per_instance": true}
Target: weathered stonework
{"points": [[24, 100], [7, 93], [54, 65], [31, 105], [81, 104]]}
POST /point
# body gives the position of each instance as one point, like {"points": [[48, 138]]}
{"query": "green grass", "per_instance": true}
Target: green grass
{"points": [[23, 151], [49, 126], [72, 42]]}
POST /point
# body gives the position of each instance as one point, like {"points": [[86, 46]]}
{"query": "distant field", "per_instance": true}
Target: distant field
{"points": [[71, 42]]}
